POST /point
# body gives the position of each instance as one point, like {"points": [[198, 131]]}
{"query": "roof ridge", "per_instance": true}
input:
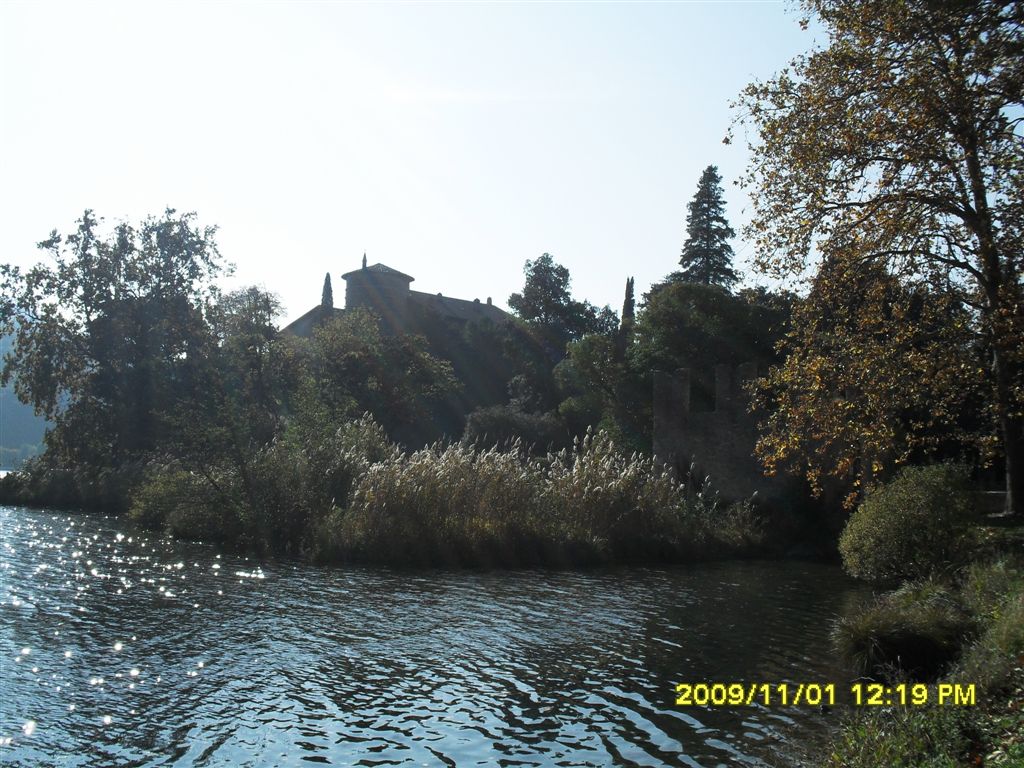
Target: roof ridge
{"points": [[378, 269]]}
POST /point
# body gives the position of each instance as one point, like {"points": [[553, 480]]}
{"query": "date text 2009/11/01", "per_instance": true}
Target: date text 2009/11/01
{"points": [[823, 694]]}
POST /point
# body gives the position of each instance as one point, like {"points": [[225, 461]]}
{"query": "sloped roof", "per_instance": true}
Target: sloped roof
{"points": [[303, 325], [379, 269], [458, 309]]}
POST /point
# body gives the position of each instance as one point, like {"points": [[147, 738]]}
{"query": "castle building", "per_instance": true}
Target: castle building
{"points": [[387, 293]]}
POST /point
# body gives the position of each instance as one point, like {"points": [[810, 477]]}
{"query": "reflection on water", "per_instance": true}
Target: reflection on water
{"points": [[121, 649]]}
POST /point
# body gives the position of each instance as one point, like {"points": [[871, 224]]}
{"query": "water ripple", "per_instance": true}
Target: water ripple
{"points": [[126, 649]]}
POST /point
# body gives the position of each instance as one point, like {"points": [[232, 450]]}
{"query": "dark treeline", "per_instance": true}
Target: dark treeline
{"points": [[125, 344], [186, 405]]}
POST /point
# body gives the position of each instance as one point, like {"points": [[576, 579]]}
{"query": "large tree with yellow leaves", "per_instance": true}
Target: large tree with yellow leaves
{"points": [[895, 153]]}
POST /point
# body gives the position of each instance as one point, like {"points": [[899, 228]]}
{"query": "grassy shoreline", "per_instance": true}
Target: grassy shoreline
{"points": [[975, 615]]}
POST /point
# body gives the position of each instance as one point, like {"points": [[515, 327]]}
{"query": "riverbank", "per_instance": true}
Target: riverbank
{"points": [[976, 617]]}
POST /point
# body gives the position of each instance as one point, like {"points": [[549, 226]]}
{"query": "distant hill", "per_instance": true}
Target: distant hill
{"points": [[21, 431]]}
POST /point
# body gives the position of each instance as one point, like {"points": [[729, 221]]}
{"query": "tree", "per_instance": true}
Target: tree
{"points": [[681, 325], [251, 363], [707, 255], [552, 319], [899, 145], [105, 335], [327, 299], [625, 331], [357, 368], [547, 303], [688, 325], [239, 382], [877, 373]]}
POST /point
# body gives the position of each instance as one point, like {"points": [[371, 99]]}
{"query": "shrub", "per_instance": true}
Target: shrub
{"points": [[350, 494], [946, 736], [502, 425], [916, 631], [910, 528], [188, 505], [42, 481], [986, 586], [294, 482], [996, 592], [269, 501], [625, 506]]}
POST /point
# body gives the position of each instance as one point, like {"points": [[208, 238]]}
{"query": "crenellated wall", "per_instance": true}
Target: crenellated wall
{"points": [[719, 442]]}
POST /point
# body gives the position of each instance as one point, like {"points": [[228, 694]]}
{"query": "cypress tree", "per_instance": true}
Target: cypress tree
{"points": [[628, 305], [627, 321], [707, 255], [327, 300]]}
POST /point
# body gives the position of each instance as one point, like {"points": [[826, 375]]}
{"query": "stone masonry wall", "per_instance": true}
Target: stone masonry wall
{"points": [[718, 443]]}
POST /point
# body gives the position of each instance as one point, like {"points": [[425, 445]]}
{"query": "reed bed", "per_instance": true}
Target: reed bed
{"points": [[457, 505], [350, 495]]}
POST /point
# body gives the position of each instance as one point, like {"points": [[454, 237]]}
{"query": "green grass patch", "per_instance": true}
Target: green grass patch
{"points": [[915, 633]]}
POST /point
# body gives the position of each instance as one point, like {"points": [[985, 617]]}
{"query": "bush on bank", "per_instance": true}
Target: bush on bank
{"points": [[910, 528], [440, 505], [41, 483], [269, 501]]}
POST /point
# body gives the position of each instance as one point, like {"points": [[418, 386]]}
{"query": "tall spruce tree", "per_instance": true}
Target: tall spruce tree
{"points": [[707, 255]]}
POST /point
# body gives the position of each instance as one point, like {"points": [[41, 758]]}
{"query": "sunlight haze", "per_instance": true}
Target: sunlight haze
{"points": [[452, 141]]}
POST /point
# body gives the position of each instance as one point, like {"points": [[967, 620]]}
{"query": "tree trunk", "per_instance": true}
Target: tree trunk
{"points": [[1012, 428], [1013, 439]]}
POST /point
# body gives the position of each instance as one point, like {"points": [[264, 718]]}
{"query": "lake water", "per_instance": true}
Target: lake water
{"points": [[121, 649]]}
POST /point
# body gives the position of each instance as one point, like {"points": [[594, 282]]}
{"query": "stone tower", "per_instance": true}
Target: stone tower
{"points": [[381, 289]]}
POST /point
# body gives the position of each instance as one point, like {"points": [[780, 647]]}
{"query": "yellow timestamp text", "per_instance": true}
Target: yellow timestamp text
{"points": [[824, 694]]}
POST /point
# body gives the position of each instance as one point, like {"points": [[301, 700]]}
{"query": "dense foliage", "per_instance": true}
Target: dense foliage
{"points": [[874, 373], [609, 380], [897, 147], [352, 495], [547, 304], [125, 343], [459, 505], [973, 627], [107, 338]]}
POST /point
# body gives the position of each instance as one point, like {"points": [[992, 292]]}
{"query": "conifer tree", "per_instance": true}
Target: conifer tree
{"points": [[628, 305], [707, 255], [627, 322], [327, 301]]}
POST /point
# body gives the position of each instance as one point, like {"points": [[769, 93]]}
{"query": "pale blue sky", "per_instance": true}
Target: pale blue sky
{"points": [[452, 141]]}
